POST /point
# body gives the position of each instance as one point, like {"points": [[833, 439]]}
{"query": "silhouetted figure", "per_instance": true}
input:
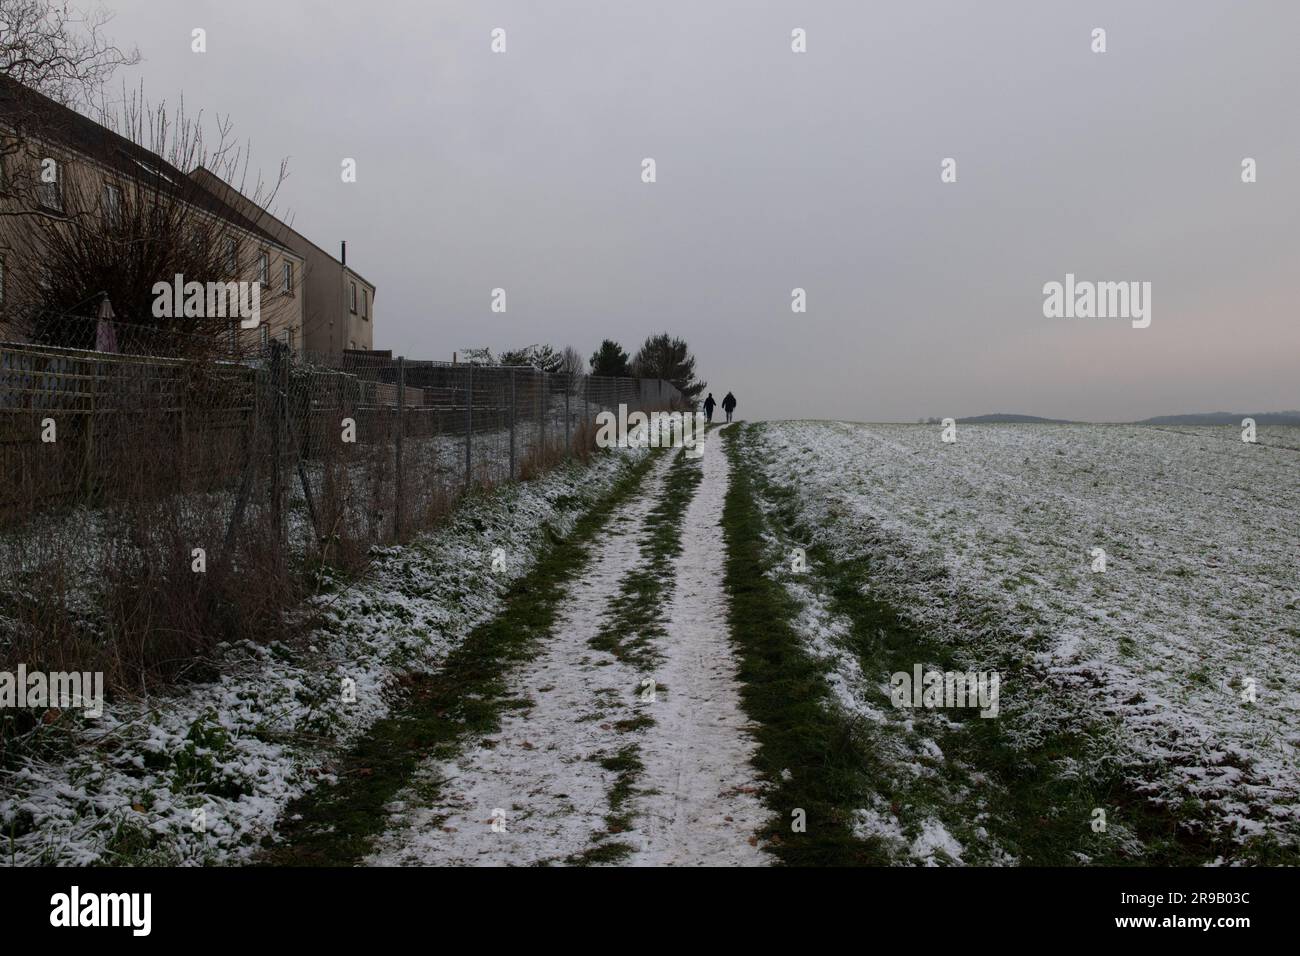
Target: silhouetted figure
{"points": [[729, 405], [709, 404]]}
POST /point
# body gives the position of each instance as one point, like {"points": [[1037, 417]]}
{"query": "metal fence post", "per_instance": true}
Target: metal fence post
{"points": [[586, 400], [568, 387], [184, 384], [89, 460], [401, 427], [541, 415], [275, 380], [469, 423], [512, 424]]}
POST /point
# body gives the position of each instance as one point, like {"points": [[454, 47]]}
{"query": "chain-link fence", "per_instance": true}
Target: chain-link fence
{"points": [[140, 488], [446, 428]]}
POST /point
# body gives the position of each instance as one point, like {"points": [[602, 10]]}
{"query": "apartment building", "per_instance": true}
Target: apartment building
{"points": [[59, 166], [339, 302]]}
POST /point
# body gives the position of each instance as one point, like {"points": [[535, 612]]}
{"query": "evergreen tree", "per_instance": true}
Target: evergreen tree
{"points": [[663, 356], [541, 357], [611, 360]]}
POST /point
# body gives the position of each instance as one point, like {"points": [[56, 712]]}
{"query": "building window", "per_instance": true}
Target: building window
{"points": [[365, 303], [232, 257], [264, 268], [113, 204], [50, 191], [352, 301], [288, 278]]}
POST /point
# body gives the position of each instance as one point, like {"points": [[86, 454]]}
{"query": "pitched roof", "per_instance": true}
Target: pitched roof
{"points": [[57, 124], [210, 180]]}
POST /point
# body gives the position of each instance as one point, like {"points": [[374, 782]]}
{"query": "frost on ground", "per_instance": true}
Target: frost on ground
{"points": [[202, 776], [559, 781], [1185, 648], [902, 741]]}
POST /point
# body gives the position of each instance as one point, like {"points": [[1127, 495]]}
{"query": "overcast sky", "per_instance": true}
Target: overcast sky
{"points": [[779, 170]]}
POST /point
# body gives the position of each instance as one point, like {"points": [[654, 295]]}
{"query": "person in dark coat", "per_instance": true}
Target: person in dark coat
{"points": [[709, 404], [729, 405]]}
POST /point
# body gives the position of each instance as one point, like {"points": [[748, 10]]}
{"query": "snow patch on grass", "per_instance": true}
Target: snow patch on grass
{"points": [[987, 543], [201, 776]]}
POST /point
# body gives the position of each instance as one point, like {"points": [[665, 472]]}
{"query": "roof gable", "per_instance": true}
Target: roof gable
{"points": [[60, 126]]}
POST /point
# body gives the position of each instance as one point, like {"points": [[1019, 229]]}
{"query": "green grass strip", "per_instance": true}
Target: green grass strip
{"points": [[807, 752], [637, 619]]}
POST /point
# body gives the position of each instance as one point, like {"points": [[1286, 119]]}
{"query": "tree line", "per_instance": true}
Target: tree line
{"points": [[661, 356]]}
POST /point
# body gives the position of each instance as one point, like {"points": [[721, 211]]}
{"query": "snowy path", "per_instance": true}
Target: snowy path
{"points": [[704, 808], [539, 790]]}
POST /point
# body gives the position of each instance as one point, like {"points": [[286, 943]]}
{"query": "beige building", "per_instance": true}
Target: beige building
{"points": [[63, 166], [339, 303]]}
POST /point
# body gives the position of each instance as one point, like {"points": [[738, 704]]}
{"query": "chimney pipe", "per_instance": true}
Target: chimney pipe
{"points": [[345, 252]]}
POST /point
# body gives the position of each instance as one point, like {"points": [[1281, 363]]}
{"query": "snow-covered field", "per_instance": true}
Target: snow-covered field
{"points": [[201, 776], [1186, 647]]}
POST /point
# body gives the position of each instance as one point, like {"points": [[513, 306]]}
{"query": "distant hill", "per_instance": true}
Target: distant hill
{"points": [[1204, 418], [1004, 417], [1225, 418]]}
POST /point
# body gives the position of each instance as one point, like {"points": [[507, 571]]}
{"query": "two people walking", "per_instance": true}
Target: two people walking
{"points": [[728, 406]]}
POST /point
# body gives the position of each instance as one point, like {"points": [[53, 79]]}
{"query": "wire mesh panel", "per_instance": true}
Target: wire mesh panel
{"points": [[193, 496]]}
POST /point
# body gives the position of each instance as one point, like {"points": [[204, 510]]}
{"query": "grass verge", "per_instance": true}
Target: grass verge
{"points": [[807, 751]]}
